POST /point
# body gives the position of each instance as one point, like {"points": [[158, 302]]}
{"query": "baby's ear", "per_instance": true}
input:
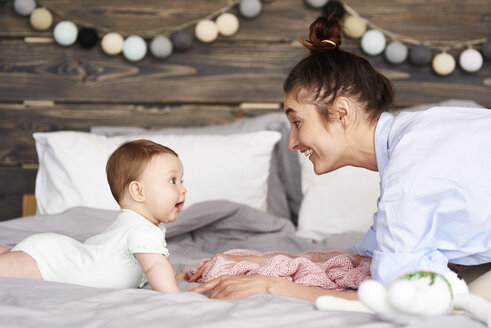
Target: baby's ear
{"points": [[136, 191]]}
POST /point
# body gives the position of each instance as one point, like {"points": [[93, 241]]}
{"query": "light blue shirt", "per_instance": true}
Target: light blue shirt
{"points": [[435, 192]]}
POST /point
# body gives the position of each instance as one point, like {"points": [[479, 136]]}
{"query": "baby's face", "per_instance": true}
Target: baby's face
{"points": [[163, 189]]}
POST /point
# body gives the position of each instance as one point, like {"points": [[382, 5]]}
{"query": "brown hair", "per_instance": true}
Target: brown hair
{"points": [[328, 71], [128, 161]]}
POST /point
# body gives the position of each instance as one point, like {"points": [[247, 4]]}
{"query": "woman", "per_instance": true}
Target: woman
{"points": [[435, 168]]}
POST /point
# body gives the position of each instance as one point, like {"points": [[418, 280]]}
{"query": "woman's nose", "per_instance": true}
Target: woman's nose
{"points": [[292, 142]]}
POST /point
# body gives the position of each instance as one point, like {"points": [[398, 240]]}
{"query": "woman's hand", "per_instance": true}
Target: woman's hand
{"points": [[235, 287], [228, 257]]}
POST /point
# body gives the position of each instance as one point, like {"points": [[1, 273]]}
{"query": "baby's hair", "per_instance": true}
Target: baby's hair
{"points": [[329, 71], [128, 161]]}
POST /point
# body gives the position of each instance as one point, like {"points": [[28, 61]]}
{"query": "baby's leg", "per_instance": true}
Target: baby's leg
{"points": [[4, 249], [19, 265]]}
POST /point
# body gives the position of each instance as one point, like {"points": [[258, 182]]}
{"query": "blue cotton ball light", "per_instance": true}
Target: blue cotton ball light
{"points": [[373, 42], [470, 60], [134, 48], [65, 33], [250, 8], [396, 52], [161, 47], [316, 3], [24, 7]]}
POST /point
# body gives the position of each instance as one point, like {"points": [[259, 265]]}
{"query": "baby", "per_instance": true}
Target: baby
{"points": [[146, 180]]}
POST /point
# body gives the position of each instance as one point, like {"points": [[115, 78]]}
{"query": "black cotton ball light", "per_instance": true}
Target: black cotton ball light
{"points": [[87, 37], [181, 40], [486, 49], [334, 8], [420, 55]]}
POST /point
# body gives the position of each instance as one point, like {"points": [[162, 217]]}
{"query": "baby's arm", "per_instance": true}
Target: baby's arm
{"points": [[161, 276]]}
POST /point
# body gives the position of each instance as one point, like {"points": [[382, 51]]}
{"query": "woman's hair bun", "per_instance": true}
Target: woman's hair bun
{"points": [[324, 35]]}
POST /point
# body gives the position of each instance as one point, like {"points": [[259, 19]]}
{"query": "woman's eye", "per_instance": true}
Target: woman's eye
{"points": [[296, 123], [173, 180]]}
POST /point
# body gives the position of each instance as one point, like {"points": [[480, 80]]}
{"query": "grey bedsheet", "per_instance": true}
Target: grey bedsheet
{"points": [[200, 231]]}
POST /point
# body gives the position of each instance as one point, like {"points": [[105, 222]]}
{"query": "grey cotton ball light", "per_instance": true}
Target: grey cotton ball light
{"points": [[420, 55], [181, 40], [250, 8], [24, 7], [396, 52], [161, 47]]}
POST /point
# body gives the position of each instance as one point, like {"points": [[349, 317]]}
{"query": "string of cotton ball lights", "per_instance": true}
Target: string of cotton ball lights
{"points": [[401, 48], [132, 44]]}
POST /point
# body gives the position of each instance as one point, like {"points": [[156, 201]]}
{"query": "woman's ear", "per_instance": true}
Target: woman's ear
{"points": [[136, 191], [344, 111]]}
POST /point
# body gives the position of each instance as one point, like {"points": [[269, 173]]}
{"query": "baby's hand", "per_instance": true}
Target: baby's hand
{"points": [[228, 257], [181, 276]]}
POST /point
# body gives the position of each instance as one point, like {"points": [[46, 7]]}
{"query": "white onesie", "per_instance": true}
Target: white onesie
{"points": [[105, 260]]}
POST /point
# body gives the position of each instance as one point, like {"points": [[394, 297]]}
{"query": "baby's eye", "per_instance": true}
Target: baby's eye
{"points": [[173, 180]]}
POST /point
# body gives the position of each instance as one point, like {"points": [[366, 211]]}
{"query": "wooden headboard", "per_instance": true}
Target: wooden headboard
{"points": [[46, 87]]}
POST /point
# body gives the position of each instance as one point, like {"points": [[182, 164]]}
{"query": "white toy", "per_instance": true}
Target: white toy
{"points": [[413, 297]]}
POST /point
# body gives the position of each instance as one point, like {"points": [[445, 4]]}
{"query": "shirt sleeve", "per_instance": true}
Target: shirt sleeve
{"points": [[417, 220], [147, 239], [368, 244]]}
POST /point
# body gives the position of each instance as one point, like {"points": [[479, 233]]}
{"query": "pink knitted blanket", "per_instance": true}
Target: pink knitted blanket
{"points": [[339, 271]]}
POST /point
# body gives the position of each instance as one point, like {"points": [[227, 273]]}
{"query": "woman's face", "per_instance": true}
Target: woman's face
{"points": [[323, 142]]}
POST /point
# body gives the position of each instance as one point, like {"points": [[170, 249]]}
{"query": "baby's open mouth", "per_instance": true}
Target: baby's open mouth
{"points": [[180, 205]]}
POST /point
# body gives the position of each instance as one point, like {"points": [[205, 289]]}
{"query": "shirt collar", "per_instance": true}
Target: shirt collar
{"points": [[382, 131]]}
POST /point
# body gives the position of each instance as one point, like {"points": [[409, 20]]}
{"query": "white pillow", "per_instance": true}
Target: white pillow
{"points": [[337, 202], [230, 167]]}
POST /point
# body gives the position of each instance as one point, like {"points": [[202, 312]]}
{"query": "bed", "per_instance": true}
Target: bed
{"points": [[276, 203]]}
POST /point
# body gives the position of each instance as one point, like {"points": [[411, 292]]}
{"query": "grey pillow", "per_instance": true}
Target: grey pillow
{"points": [[284, 189]]}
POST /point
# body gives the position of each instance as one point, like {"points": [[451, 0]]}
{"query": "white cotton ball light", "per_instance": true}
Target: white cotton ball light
{"points": [[65, 33], [24, 7], [471, 60], [354, 26], [443, 64], [316, 3], [250, 8], [41, 19], [112, 43], [396, 52], [134, 48], [227, 24], [373, 42], [161, 47], [206, 31]]}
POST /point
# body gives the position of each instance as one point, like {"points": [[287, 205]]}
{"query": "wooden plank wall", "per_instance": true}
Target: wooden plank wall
{"points": [[46, 87]]}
